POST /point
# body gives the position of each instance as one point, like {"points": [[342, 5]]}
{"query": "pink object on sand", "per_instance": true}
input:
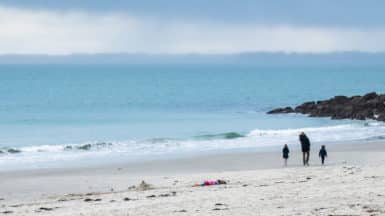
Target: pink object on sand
{"points": [[207, 183]]}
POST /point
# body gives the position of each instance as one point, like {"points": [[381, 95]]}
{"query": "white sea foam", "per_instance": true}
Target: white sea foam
{"points": [[336, 133], [59, 155]]}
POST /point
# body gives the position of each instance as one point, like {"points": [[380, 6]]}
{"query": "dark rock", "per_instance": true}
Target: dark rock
{"points": [[340, 99], [381, 117], [356, 99], [306, 107], [369, 106], [370, 96], [363, 114], [281, 110], [382, 98]]}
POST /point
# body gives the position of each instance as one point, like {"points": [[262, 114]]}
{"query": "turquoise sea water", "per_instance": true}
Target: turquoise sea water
{"points": [[58, 114]]}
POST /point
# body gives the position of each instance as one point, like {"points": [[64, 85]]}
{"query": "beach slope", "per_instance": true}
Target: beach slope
{"points": [[343, 187]]}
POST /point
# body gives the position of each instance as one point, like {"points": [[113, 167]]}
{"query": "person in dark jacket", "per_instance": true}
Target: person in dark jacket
{"points": [[305, 146], [285, 153], [323, 154]]}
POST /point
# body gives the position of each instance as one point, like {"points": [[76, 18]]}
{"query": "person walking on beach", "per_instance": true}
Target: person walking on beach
{"points": [[305, 146], [285, 153], [323, 154]]}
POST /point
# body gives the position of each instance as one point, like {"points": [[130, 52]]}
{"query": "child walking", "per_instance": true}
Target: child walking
{"points": [[285, 153], [323, 154]]}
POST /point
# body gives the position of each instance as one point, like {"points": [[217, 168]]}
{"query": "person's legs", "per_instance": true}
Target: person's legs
{"points": [[304, 158], [307, 157], [323, 160], [285, 161]]}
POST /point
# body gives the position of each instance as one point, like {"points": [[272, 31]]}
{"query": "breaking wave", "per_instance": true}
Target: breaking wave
{"points": [[37, 156]]}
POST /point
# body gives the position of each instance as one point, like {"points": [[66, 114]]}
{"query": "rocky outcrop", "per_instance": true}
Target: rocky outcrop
{"points": [[369, 106], [281, 110]]}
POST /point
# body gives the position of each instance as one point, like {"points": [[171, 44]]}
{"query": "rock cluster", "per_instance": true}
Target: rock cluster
{"points": [[369, 106]]}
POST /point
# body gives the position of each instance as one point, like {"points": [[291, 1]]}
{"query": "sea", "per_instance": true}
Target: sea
{"points": [[55, 116]]}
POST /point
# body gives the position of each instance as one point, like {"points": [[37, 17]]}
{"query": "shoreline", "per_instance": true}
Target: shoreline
{"points": [[98, 154], [268, 155], [351, 153], [351, 183], [237, 160]]}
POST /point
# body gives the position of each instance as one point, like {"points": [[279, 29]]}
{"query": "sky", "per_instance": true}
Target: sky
{"points": [[184, 27]]}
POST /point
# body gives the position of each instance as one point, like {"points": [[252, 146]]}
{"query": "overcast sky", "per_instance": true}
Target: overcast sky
{"points": [[199, 26]]}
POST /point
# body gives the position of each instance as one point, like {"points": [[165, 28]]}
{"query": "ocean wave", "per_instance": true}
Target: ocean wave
{"points": [[88, 146], [345, 132], [258, 138], [228, 135], [9, 151], [375, 138], [255, 138]]}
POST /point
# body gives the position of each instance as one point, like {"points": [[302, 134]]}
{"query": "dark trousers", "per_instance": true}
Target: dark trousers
{"points": [[306, 156], [322, 160]]}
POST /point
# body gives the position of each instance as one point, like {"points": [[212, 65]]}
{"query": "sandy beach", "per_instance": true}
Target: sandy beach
{"points": [[192, 108], [351, 183]]}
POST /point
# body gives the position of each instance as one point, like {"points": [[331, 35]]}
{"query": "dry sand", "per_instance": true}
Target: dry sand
{"points": [[351, 183]]}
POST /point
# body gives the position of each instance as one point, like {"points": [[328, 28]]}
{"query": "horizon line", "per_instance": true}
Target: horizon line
{"points": [[192, 54]]}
